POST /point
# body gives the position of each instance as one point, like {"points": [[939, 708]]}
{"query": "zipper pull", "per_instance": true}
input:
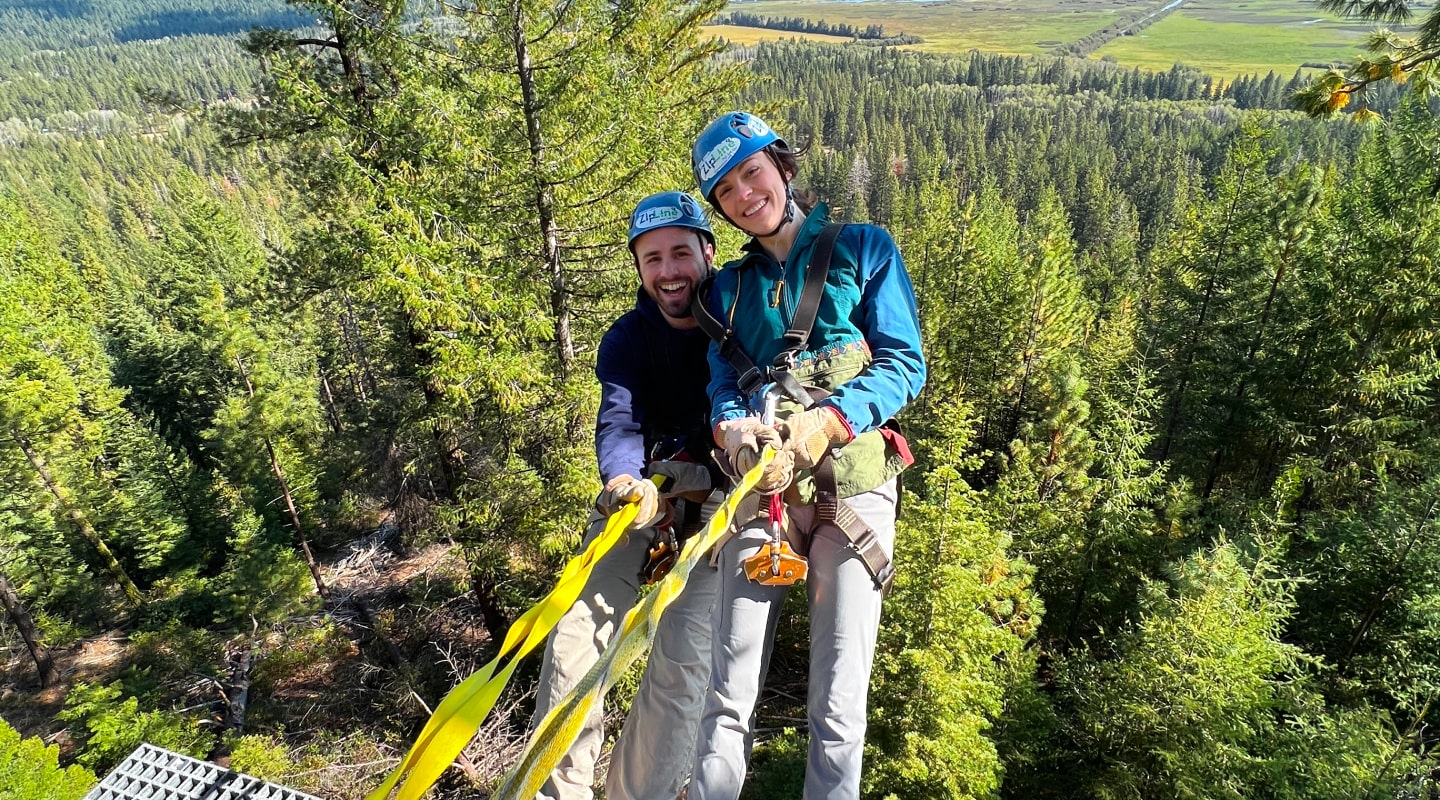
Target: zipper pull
{"points": [[779, 287]]}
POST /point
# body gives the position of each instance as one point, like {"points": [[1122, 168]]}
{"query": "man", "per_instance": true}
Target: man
{"points": [[653, 420]]}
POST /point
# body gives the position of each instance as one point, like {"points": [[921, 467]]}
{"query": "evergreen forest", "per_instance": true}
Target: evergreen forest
{"points": [[299, 306]]}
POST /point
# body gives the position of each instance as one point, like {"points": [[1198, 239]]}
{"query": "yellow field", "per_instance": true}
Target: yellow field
{"points": [[736, 34]]}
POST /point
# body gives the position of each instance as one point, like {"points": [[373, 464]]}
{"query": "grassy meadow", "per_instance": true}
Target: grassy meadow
{"points": [[1223, 37], [1226, 38]]}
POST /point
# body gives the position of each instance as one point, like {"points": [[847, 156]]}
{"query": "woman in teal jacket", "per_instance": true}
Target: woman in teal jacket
{"points": [[863, 359]]}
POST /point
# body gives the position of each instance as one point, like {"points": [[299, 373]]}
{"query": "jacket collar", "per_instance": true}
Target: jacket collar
{"points": [[815, 222], [648, 309]]}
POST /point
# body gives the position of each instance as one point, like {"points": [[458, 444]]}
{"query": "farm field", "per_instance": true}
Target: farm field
{"points": [[1021, 27], [1230, 38], [739, 34], [1224, 37]]}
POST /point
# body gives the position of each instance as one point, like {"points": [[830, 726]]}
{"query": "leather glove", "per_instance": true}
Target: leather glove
{"points": [[742, 440], [624, 489], [810, 434], [777, 476]]}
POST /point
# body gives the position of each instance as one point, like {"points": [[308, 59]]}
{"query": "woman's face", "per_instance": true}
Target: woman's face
{"points": [[753, 194]]}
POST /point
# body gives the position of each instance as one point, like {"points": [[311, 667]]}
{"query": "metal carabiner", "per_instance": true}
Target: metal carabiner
{"points": [[767, 402]]}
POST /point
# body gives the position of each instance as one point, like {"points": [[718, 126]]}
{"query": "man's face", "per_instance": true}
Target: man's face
{"points": [[672, 263]]}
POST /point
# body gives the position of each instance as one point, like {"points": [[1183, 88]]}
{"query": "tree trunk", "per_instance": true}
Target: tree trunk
{"points": [[1194, 335], [44, 664], [490, 612], [237, 693], [1397, 570], [544, 197], [1249, 365], [331, 412], [288, 496], [77, 517], [350, 330], [447, 444]]}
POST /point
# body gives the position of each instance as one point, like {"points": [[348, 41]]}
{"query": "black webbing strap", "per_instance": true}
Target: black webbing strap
{"points": [[810, 295], [751, 378]]}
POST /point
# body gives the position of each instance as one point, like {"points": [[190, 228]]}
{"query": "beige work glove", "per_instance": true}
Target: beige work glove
{"points": [[810, 434], [777, 475], [624, 489], [742, 440]]}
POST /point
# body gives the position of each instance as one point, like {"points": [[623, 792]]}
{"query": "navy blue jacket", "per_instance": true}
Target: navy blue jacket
{"points": [[653, 402]]}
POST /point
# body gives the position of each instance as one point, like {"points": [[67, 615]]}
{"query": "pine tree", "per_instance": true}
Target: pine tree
{"points": [[55, 395], [1392, 58]]}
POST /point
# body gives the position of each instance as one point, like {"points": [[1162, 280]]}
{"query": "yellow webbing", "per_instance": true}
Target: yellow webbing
{"points": [[558, 731], [459, 715]]}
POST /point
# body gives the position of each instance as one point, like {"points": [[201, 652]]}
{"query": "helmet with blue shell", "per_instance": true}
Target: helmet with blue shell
{"points": [[668, 210]]}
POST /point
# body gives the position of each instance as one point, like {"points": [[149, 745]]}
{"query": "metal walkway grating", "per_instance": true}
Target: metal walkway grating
{"points": [[154, 773]]}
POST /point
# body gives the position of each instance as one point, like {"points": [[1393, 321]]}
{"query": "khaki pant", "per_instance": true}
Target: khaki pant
{"points": [[652, 758]]}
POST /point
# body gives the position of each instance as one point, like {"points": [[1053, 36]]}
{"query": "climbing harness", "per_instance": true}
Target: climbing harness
{"points": [[660, 558], [754, 381]]}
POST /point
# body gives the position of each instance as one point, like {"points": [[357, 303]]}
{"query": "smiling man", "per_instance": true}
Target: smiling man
{"points": [[653, 421]]}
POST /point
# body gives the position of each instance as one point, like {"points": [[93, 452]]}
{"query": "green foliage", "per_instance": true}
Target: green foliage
{"points": [[307, 648], [778, 767], [950, 650], [1144, 318], [31, 771], [112, 727], [264, 580], [1203, 698], [264, 756]]}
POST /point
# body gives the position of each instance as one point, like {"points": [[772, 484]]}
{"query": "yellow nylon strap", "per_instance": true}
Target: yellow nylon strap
{"points": [[459, 715], [558, 731]]}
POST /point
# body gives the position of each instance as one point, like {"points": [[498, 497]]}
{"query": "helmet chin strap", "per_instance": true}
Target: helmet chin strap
{"points": [[789, 214]]}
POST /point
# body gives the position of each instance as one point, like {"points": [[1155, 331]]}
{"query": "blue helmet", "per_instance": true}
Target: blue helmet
{"points": [[668, 210], [726, 142]]}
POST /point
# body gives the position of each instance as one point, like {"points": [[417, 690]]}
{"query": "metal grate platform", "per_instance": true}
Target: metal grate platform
{"points": [[154, 773]]}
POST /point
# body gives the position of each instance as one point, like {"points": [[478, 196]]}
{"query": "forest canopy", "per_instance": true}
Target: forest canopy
{"points": [[297, 337]]}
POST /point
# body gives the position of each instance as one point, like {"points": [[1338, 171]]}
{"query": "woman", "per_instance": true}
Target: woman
{"points": [[861, 356]]}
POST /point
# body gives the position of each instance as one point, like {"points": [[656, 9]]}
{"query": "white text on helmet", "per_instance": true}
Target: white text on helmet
{"points": [[717, 158], [652, 217]]}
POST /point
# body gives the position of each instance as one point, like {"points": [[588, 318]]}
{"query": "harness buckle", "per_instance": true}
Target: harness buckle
{"points": [[661, 556]]}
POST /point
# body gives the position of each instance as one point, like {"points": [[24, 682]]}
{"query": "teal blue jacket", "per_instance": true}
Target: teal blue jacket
{"points": [[868, 303]]}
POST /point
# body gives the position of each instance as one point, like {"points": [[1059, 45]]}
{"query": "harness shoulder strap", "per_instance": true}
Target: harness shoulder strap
{"points": [[751, 377], [814, 290]]}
